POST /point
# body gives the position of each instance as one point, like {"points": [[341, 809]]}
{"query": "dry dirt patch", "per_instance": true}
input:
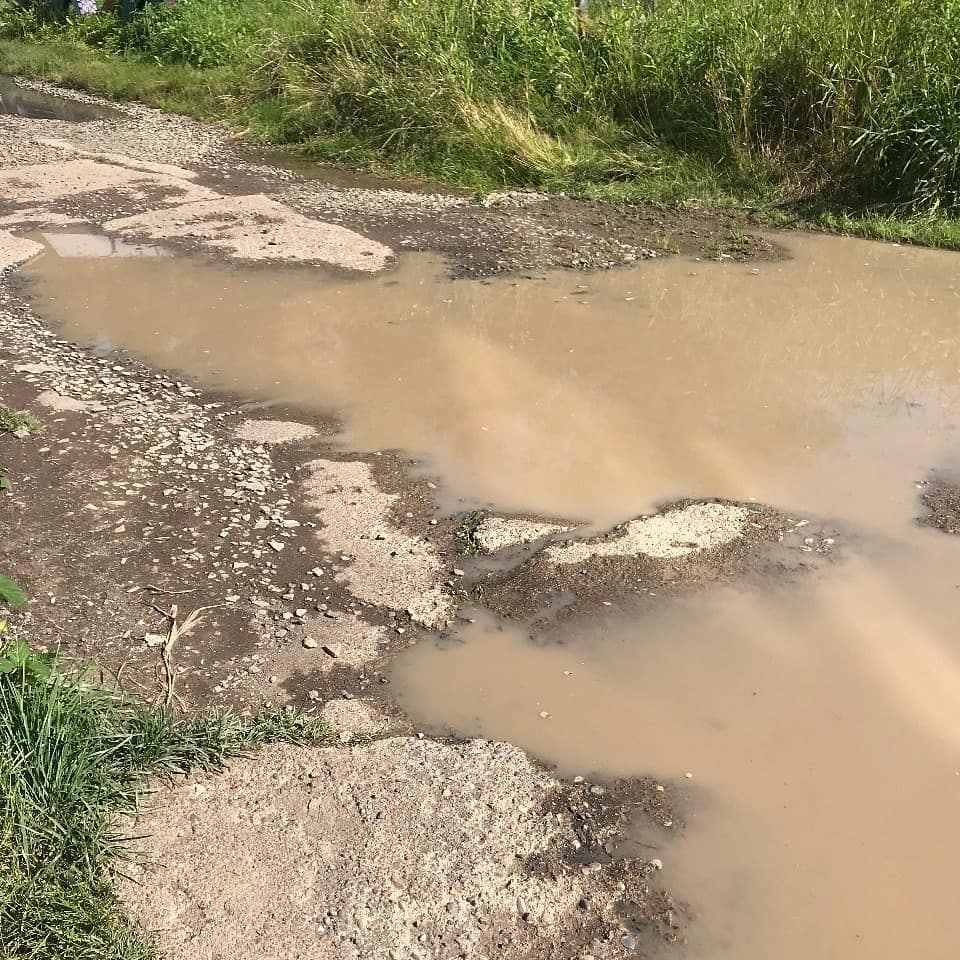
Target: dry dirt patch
{"points": [[674, 533], [39, 185], [14, 250], [274, 431], [381, 852], [386, 565], [257, 227]]}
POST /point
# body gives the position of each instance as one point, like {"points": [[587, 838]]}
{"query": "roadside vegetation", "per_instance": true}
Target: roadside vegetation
{"points": [[76, 758], [19, 422], [847, 111]]}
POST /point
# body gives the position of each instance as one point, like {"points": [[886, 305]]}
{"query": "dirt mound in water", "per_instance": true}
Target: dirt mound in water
{"points": [[942, 501]]}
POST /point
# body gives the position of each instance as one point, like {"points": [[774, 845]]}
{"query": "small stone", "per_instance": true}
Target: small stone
{"points": [[276, 545], [310, 643], [656, 863], [629, 942]]}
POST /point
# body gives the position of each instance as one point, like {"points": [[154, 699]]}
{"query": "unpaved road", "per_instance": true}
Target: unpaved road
{"points": [[145, 491], [331, 578]]}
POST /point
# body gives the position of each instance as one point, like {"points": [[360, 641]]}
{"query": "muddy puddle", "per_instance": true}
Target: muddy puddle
{"points": [[582, 398], [21, 101], [818, 724], [819, 719]]}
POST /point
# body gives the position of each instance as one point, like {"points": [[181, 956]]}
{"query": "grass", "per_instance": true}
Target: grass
{"points": [[75, 759], [843, 113], [11, 593], [19, 422]]}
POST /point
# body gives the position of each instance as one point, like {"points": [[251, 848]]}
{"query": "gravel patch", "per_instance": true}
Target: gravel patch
{"points": [[274, 431], [384, 565], [497, 533], [353, 718], [942, 501], [367, 201], [381, 852]]}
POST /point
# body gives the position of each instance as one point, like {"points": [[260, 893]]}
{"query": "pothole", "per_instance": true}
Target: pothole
{"points": [[20, 101]]}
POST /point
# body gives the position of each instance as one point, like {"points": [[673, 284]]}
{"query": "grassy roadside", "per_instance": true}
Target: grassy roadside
{"points": [[75, 758], [842, 114]]}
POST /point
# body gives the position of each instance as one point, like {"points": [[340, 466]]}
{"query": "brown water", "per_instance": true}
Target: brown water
{"points": [[821, 725], [24, 102], [593, 401], [820, 720]]}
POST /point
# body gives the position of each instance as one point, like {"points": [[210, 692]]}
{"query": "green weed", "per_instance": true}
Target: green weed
{"points": [[11, 593], [19, 422], [467, 532]]}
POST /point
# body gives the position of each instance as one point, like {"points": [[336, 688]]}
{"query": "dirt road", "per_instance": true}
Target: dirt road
{"points": [[468, 507]]}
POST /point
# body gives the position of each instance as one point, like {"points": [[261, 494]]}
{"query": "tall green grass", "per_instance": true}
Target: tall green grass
{"points": [[855, 103]]}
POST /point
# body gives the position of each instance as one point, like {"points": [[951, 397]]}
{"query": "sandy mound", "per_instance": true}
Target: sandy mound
{"points": [[676, 533]]}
